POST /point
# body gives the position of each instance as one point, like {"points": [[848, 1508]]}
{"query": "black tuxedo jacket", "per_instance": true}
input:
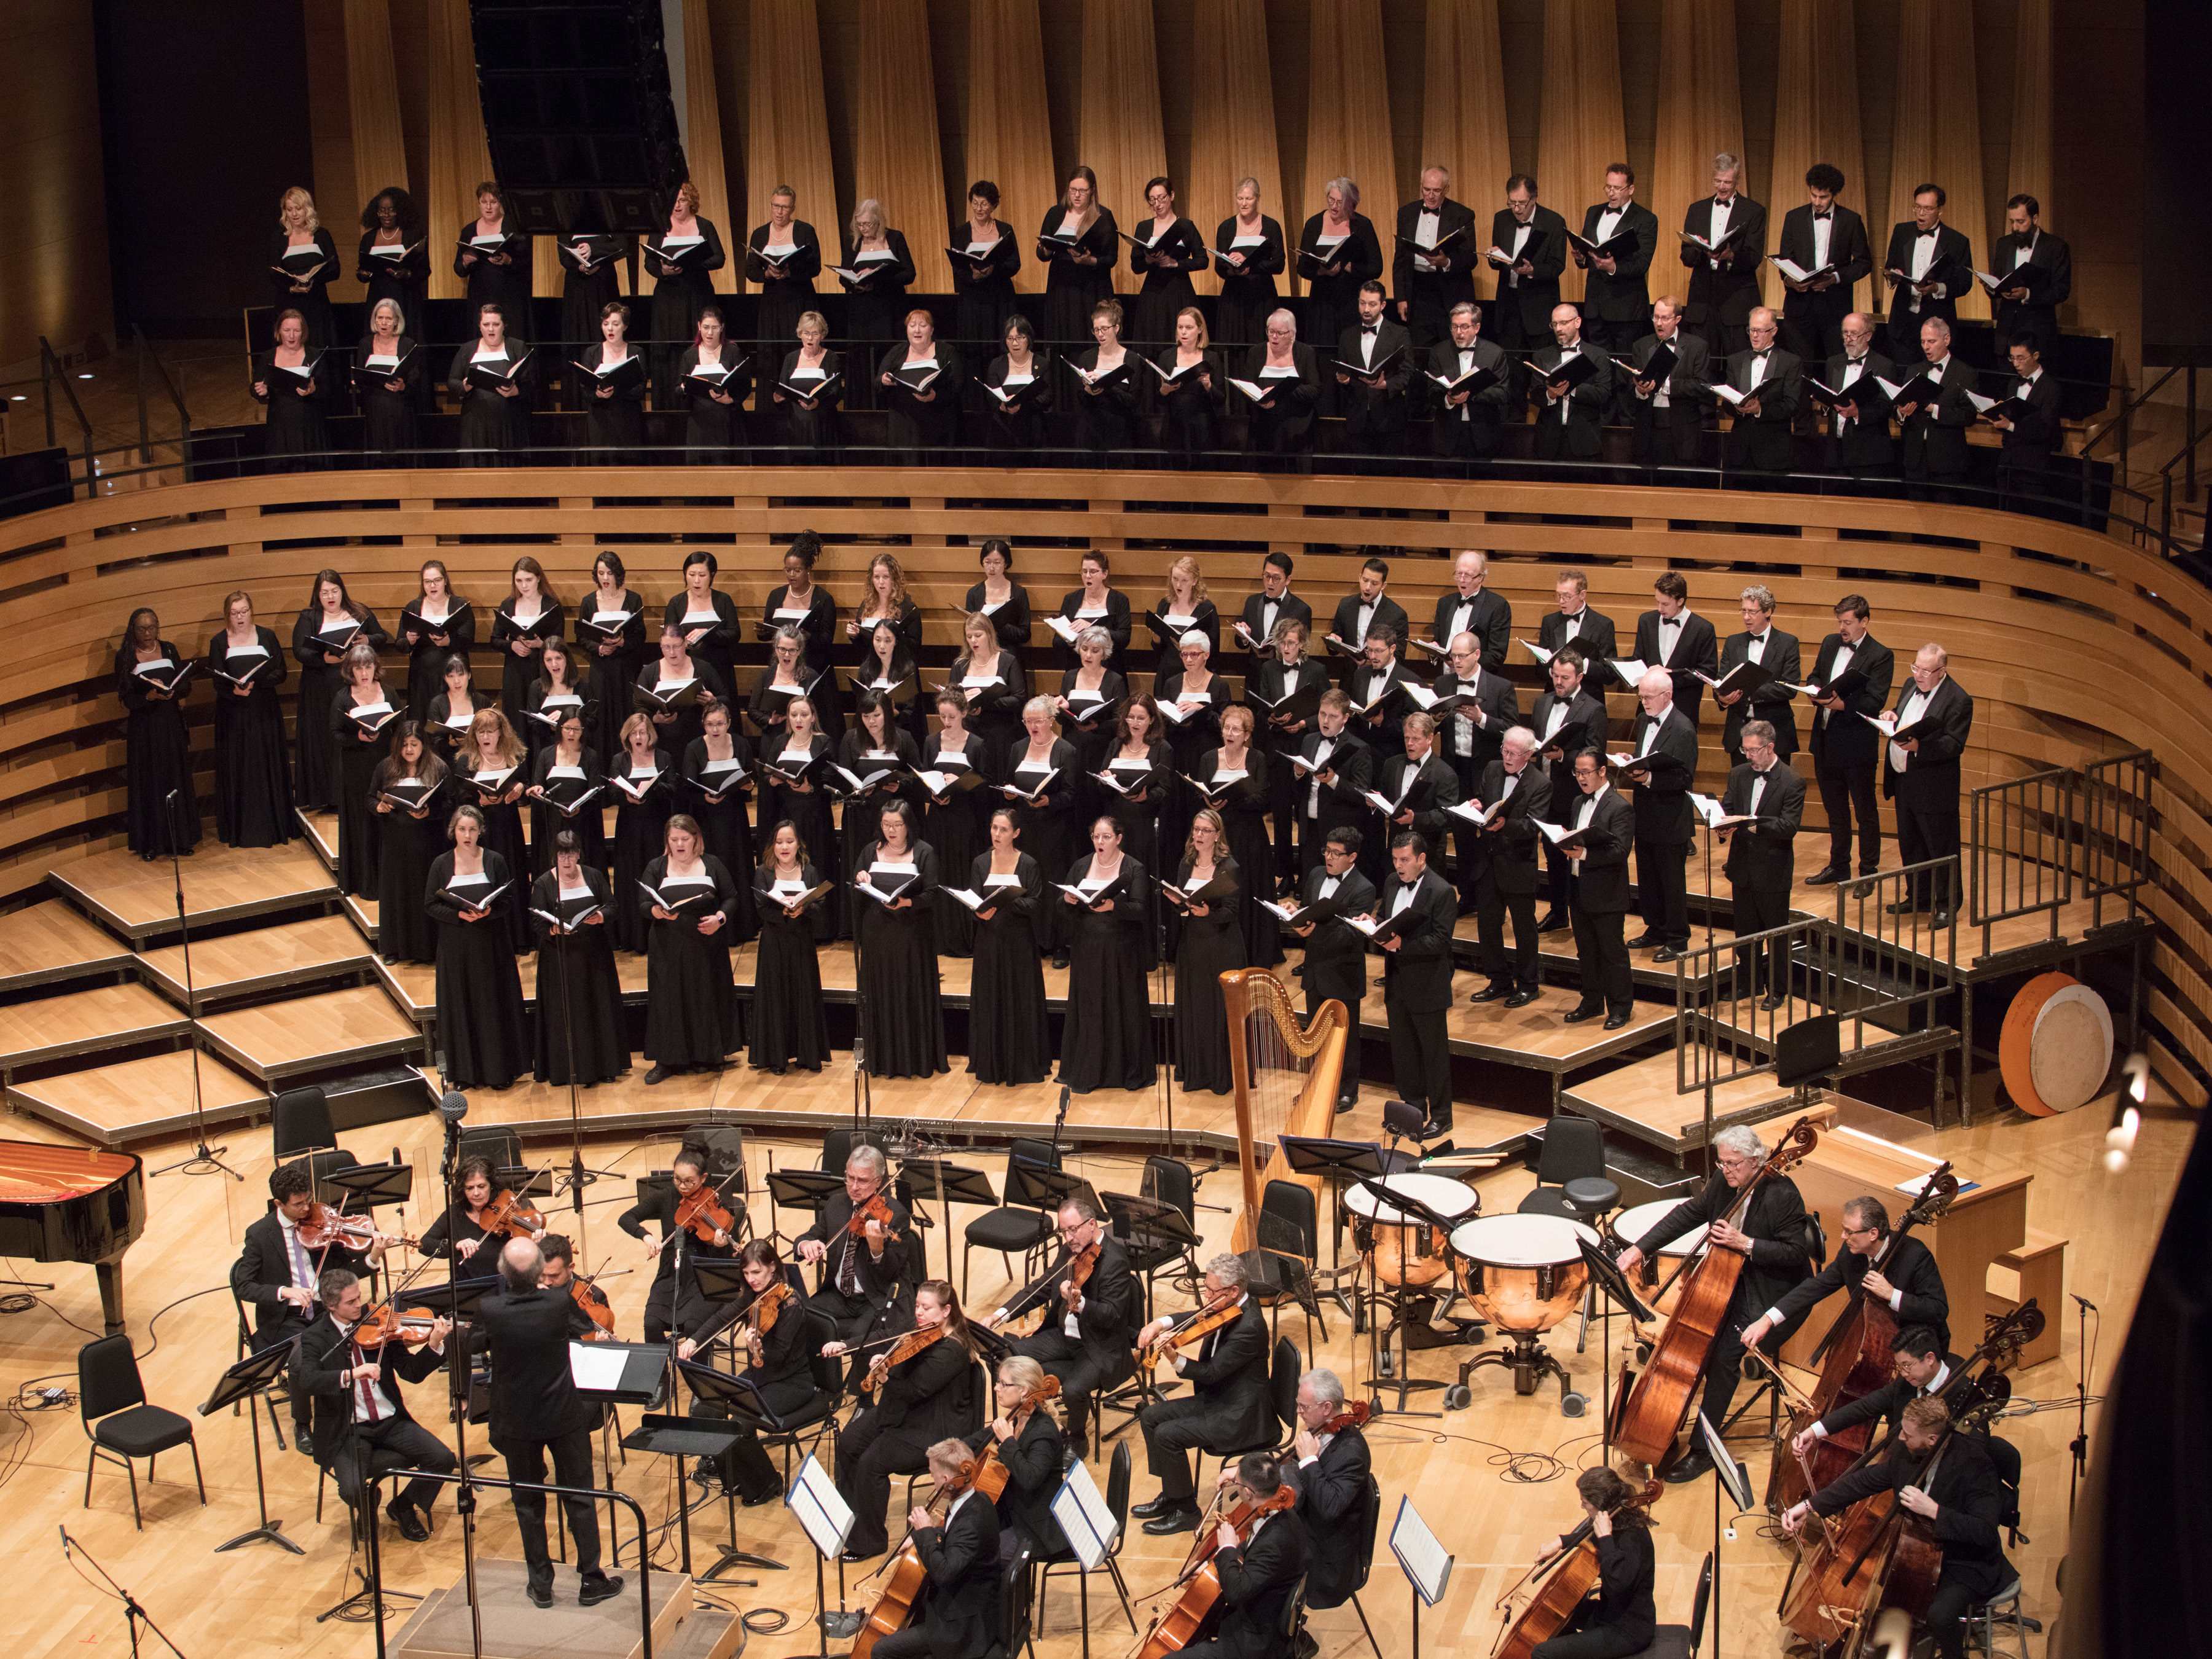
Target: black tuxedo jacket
{"points": [[1344, 800], [1228, 1375], [2034, 437], [2048, 277], [1384, 726], [880, 1277], [1531, 298], [1664, 815], [1697, 648], [1775, 1224], [1435, 788], [1762, 856], [1849, 251], [961, 1615], [1970, 1503], [1508, 851], [1389, 404], [1934, 437], [1911, 1271], [1256, 1579], [1840, 737], [1953, 266], [532, 1397], [1499, 700], [1417, 976], [321, 1357], [1864, 441], [1729, 294], [1887, 1403], [1595, 638], [1484, 407], [1446, 288], [1930, 777], [263, 1267], [1255, 619], [1582, 733], [1490, 622], [1110, 1299], [1688, 402], [1601, 885], [1336, 955], [1333, 1505], [1765, 437], [1774, 702], [1347, 620], [1625, 296], [1570, 426]]}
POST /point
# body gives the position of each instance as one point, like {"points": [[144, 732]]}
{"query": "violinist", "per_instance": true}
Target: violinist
{"points": [[1024, 1434], [331, 1367], [1228, 1404], [1621, 1619], [461, 1231], [559, 1274], [771, 1338], [1773, 1239], [960, 1615], [276, 1272], [1961, 1503], [1331, 1476], [1909, 1284], [864, 1266], [921, 1388], [1258, 1566], [1922, 1369], [676, 1302], [1085, 1339]]}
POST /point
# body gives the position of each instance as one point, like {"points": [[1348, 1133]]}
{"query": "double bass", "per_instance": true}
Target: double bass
{"points": [[1652, 1404], [1198, 1606], [1568, 1578]]}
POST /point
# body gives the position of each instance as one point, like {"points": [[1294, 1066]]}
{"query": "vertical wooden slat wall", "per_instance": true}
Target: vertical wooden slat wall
{"points": [[1348, 116], [897, 159], [1463, 115], [459, 158], [1816, 117], [2029, 166], [787, 121], [335, 185], [1700, 116], [1122, 137], [703, 150], [380, 142], [1009, 130], [1232, 118], [1938, 130], [1582, 128]]}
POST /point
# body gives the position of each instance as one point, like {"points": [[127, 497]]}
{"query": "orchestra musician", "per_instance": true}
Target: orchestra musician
{"points": [[774, 1360], [559, 1274], [458, 1231], [675, 1304], [1228, 1403], [1258, 1568], [1910, 1283], [1772, 1238], [1622, 1619], [277, 1274], [960, 1615], [1331, 1479], [913, 1403], [1085, 1339], [864, 1269], [1923, 1369], [1027, 1434]]}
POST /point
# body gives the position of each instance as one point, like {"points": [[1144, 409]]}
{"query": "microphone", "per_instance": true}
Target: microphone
{"points": [[170, 800], [453, 1106], [2085, 1302]]}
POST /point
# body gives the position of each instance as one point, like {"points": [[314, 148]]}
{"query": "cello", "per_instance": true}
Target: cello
{"points": [[1199, 1605], [1572, 1572], [895, 1605], [1651, 1405]]}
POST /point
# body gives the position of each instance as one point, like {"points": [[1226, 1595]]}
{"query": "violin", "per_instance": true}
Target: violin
{"points": [[580, 1291], [1073, 1268], [914, 1342], [992, 1473], [508, 1214], [700, 1213], [874, 1210], [761, 1317], [1194, 1610], [327, 1225], [384, 1323], [895, 1607], [1209, 1319]]}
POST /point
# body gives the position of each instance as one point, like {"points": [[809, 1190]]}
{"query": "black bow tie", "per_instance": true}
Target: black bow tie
{"points": [[1760, 356], [1369, 328], [1758, 638], [1718, 203], [1931, 232], [1850, 359], [1829, 215]]}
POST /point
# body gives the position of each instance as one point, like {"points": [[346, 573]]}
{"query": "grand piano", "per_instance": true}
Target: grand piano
{"points": [[72, 1204]]}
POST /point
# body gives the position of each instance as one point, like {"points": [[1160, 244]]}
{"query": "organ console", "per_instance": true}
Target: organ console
{"points": [[71, 1203]]}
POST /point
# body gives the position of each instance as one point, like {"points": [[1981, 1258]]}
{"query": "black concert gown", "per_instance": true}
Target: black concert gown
{"points": [[316, 776], [788, 1028], [481, 1028], [691, 1000], [1210, 944], [585, 1017], [361, 831], [901, 1015], [157, 759], [641, 836], [1106, 1041], [1009, 1040], [407, 847], [253, 773]]}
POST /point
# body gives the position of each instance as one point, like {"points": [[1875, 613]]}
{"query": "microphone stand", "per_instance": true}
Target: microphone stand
{"points": [[2080, 1448], [133, 1614], [204, 1160]]}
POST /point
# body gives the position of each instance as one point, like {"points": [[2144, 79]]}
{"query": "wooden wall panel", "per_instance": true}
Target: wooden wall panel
{"points": [[2097, 175], [1581, 127], [54, 261], [459, 158], [2028, 167], [379, 143], [1009, 129], [1232, 118], [1347, 116], [702, 116], [787, 119], [330, 129], [1119, 135], [1700, 113], [1816, 117], [897, 159], [1464, 113], [1938, 128]]}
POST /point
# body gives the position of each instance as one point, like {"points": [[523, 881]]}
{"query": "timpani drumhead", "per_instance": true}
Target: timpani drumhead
{"points": [[1447, 1197], [1632, 1225], [1522, 1241], [2056, 1047]]}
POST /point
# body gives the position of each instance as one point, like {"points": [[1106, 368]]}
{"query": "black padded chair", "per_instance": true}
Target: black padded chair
{"points": [[1012, 1227], [1166, 1180], [1574, 1153], [121, 1427], [1283, 1374], [1289, 1226], [1370, 1524], [1681, 1641], [1043, 1568], [837, 1145], [810, 1422], [502, 1147], [300, 1122]]}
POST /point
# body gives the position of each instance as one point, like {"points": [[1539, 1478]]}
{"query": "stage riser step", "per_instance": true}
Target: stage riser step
{"points": [[514, 1629]]}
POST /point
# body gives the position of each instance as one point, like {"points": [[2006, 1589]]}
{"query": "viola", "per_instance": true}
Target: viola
{"points": [[992, 1473], [1353, 1416], [326, 1225], [874, 1210], [914, 1342], [700, 1213], [580, 1291], [1194, 1610], [762, 1316], [1210, 1318], [384, 1323], [895, 1607]]}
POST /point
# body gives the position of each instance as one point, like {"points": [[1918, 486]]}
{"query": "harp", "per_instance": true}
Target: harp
{"points": [[1284, 1076]]}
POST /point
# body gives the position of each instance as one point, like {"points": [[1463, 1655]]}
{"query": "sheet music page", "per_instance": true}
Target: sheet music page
{"points": [[1081, 1510], [1426, 1565], [595, 1367], [821, 1509]]}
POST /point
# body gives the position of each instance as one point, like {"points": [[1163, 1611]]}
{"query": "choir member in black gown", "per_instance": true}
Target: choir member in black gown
{"points": [[1281, 422], [1191, 702], [495, 263], [494, 416], [614, 418], [682, 260], [1021, 374], [1140, 762], [394, 259], [804, 605], [924, 423], [610, 639], [578, 995], [714, 378], [787, 277], [358, 717], [1097, 602], [902, 1018], [810, 422], [691, 1022], [157, 756], [481, 1040], [1081, 245], [1038, 776], [559, 691], [320, 635], [1106, 1041], [388, 426], [786, 677], [887, 603], [1244, 819], [643, 780], [1009, 1040], [875, 303], [527, 618], [291, 379], [998, 597], [591, 262], [713, 627], [302, 259], [801, 799], [564, 774], [983, 282], [666, 676], [718, 777], [1191, 403], [1167, 250], [788, 1028], [1186, 606], [1211, 942], [436, 627], [951, 822], [410, 837], [1089, 701], [453, 712], [490, 771], [253, 774], [887, 668], [1104, 387], [988, 676], [874, 744], [1253, 254], [1337, 252]]}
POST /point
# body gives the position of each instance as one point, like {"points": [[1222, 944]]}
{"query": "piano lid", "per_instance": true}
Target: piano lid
{"points": [[68, 1203]]}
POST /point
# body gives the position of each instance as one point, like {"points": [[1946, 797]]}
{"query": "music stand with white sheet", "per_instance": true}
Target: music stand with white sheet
{"points": [[1423, 1560], [1731, 1478], [827, 1519], [1088, 1522]]}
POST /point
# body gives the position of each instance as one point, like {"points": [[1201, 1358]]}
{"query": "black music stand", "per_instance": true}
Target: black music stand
{"points": [[1378, 1340], [748, 1414], [1339, 1162], [720, 1277], [372, 1184], [933, 1177], [1040, 1187], [249, 1376], [1618, 1292], [1146, 1224], [801, 1190]]}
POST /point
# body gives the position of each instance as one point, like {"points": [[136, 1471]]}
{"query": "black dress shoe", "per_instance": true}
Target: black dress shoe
{"points": [[1826, 876], [410, 1522], [1491, 994], [855, 1557], [540, 1592], [1576, 1017], [1902, 908], [1772, 1000], [596, 1590], [1432, 1130], [1614, 1022], [658, 1074], [1667, 953], [1176, 1521], [1863, 888], [1160, 1505], [754, 1500], [1646, 940], [1060, 959], [1940, 921], [1696, 1465], [1521, 999], [1552, 921]]}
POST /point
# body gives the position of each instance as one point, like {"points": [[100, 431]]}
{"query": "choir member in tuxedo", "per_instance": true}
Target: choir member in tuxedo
{"points": [[1209, 942], [2035, 273], [788, 1026], [1107, 1042], [1501, 864], [1772, 381], [275, 1275], [1097, 603], [1030, 1440], [1617, 295], [1666, 412], [1193, 389], [1674, 637], [1470, 734], [1417, 976], [525, 620], [1374, 405], [614, 414], [1336, 963], [1265, 610], [252, 774], [1331, 1476], [784, 256], [905, 1410], [1227, 1405], [1934, 444], [2031, 432], [302, 260], [578, 995], [1778, 652], [1280, 422], [1575, 624], [960, 1558], [1859, 440], [802, 797], [997, 598], [1018, 392], [359, 722], [1430, 280], [1829, 239], [410, 836], [1664, 766], [1080, 247], [290, 379], [666, 676], [1927, 266], [809, 388], [1909, 1284], [642, 778], [1284, 674], [952, 824], [1724, 274], [803, 603], [611, 640], [902, 1020], [876, 308], [717, 766], [588, 257], [1103, 388], [493, 260], [1598, 893], [988, 679], [1761, 864], [1534, 241], [1008, 1038], [1921, 775], [1470, 607], [1845, 748], [1568, 719], [1422, 782], [438, 625], [1466, 424], [768, 1350], [1250, 254], [1166, 249], [1371, 606], [1569, 417], [983, 282], [923, 423], [156, 753], [495, 415], [1334, 770], [691, 1022], [491, 775], [1244, 814], [1378, 694], [713, 379], [1040, 767], [470, 893], [1338, 251], [394, 256], [388, 405]]}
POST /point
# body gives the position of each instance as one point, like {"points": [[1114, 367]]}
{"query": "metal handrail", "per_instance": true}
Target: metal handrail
{"points": [[176, 397], [50, 371], [2021, 866], [2116, 813]]}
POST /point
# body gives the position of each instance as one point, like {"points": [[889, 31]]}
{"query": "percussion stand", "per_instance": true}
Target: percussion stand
{"points": [[1377, 1351]]}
